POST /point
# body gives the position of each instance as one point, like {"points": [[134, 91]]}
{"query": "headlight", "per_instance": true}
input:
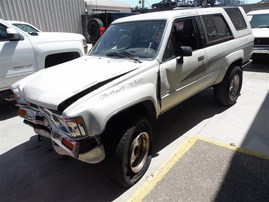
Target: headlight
{"points": [[76, 127], [73, 127]]}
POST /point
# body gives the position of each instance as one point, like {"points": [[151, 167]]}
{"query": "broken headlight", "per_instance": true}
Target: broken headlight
{"points": [[74, 127]]}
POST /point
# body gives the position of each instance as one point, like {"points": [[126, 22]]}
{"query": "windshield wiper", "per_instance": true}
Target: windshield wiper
{"points": [[118, 54], [264, 26]]}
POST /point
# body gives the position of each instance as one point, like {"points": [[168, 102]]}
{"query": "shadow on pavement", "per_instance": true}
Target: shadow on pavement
{"points": [[258, 133], [177, 121], [7, 110], [259, 65], [34, 172]]}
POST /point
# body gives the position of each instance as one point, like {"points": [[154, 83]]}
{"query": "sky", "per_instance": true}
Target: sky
{"points": [[148, 3]]}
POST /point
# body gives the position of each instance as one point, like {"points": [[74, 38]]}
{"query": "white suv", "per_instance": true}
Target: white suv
{"points": [[259, 21], [101, 106]]}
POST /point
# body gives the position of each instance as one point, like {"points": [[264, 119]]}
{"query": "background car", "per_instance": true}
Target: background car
{"points": [[165, 4], [24, 52], [24, 26], [259, 21]]}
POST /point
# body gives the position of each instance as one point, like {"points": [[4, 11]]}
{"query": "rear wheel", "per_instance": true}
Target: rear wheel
{"points": [[128, 153], [227, 92]]}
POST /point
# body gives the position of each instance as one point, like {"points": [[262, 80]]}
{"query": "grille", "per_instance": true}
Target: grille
{"points": [[261, 41]]}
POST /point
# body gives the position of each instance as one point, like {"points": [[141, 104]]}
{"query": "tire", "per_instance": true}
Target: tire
{"points": [[227, 92], [94, 26], [128, 153]]}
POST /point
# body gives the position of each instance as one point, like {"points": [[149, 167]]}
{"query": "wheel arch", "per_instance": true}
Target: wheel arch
{"points": [[231, 64], [234, 59], [237, 63], [144, 109]]}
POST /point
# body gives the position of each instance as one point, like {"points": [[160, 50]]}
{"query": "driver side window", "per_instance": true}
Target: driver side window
{"points": [[3, 33], [183, 34]]}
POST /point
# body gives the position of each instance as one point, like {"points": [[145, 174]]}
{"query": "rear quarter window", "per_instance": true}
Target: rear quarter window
{"points": [[237, 18], [217, 30]]}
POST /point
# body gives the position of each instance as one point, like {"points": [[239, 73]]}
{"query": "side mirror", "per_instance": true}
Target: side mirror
{"points": [[183, 51], [13, 35]]}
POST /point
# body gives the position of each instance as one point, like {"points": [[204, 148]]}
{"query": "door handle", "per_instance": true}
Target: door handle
{"points": [[200, 58]]}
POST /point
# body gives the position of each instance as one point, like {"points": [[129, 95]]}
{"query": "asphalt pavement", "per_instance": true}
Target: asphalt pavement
{"points": [[209, 171]]}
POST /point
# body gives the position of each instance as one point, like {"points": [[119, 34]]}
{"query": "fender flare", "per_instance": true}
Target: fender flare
{"points": [[230, 59]]}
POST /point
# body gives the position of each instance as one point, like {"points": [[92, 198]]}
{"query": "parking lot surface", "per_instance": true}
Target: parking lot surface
{"points": [[210, 172], [202, 152]]}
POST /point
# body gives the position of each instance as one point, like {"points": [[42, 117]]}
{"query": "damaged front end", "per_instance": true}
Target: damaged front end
{"points": [[68, 135]]}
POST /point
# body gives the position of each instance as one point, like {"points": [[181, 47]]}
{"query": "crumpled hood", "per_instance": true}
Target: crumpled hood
{"points": [[50, 87], [260, 32]]}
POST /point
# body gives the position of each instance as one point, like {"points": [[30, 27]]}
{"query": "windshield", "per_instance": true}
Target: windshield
{"points": [[140, 39], [259, 21]]}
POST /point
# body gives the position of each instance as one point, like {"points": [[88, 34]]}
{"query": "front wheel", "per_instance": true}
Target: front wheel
{"points": [[128, 157], [227, 92]]}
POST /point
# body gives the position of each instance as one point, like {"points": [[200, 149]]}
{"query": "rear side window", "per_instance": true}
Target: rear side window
{"points": [[237, 18], [217, 29]]}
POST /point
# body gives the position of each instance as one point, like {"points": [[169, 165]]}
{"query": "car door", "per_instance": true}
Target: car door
{"points": [[181, 78], [17, 58]]}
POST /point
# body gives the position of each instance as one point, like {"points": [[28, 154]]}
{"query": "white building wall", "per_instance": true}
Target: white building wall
{"points": [[47, 15], [99, 6]]}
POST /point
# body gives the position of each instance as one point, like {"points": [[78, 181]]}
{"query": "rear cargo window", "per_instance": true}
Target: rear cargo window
{"points": [[237, 18]]}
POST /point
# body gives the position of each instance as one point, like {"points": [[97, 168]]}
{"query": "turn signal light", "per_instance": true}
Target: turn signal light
{"points": [[69, 143]]}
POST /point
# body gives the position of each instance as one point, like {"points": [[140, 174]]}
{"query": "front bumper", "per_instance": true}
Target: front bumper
{"points": [[260, 49], [88, 149]]}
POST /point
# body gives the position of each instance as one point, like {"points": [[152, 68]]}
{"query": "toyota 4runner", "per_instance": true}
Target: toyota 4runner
{"points": [[99, 107]]}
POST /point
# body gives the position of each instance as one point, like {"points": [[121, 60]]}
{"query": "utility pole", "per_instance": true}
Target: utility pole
{"points": [[143, 3]]}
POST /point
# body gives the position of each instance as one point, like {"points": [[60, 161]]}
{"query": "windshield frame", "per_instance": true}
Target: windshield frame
{"points": [[152, 30]]}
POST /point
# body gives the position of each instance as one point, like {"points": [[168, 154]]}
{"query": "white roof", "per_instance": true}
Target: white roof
{"points": [[171, 14], [255, 12]]}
